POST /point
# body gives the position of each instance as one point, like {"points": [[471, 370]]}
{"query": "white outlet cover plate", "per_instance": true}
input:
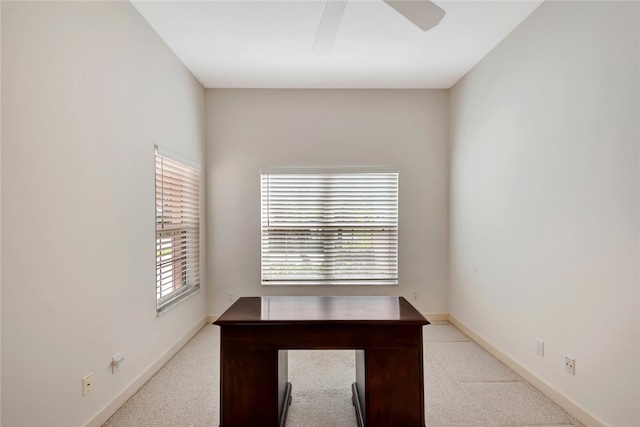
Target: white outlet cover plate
{"points": [[570, 365], [87, 384]]}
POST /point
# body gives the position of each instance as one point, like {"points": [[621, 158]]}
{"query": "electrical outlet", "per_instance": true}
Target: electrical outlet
{"points": [[414, 295], [87, 384], [231, 297], [570, 364], [539, 347]]}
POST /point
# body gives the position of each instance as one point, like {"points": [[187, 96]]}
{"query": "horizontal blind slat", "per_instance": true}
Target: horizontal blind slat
{"points": [[329, 226], [177, 230]]}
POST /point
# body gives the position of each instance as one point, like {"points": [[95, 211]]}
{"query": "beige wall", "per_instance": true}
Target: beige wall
{"points": [[251, 129], [545, 197], [543, 212], [87, 89]]}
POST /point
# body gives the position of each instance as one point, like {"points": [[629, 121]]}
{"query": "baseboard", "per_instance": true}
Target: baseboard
{"points": [[106, 413], [552, 393], [436, 317]]}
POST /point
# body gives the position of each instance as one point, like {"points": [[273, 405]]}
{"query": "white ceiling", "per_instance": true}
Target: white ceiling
{"points": [[267, 44]]}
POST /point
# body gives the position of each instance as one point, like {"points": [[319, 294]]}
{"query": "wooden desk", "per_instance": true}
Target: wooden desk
{"points": [[386, 333]]}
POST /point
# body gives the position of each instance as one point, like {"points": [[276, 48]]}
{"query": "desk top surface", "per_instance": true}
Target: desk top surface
{"points": [[330, 309]]}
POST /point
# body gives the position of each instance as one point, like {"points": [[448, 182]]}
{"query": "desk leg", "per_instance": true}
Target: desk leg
{"points": [[253, 386], [358, 389], [393, 386], [284, 387], [357, 403]]}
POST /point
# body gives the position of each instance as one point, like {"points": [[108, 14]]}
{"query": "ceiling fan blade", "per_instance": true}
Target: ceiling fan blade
{"points": [[424, 13], [329, 24]]}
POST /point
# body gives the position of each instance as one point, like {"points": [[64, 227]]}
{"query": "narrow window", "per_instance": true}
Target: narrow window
{"points": [[329, 227], [177, 231]]}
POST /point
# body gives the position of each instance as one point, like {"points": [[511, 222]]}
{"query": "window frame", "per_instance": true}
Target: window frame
{"points": [[332, 259], [177, 224]]}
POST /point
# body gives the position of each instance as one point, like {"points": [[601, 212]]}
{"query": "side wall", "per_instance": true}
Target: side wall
{"points": [[87, 89], [545, 200], [251, 129]]}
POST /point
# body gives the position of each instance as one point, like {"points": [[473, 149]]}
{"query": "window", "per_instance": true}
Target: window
{"points": [[177, 231], [329, 227]]}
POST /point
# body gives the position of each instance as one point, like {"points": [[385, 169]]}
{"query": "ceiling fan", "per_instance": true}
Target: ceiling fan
{"points": [[423, 13]]}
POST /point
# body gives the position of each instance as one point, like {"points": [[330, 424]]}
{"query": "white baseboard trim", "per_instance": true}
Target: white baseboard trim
{"points": [[584, 416], [106, 413], [436, 317]]}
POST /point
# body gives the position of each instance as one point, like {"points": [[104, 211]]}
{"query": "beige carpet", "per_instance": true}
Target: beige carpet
{"points": [[464, 386]]}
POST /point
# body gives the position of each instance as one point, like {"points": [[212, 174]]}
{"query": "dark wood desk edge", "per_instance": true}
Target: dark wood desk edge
{"points": [[321, 322], [237, 313]]}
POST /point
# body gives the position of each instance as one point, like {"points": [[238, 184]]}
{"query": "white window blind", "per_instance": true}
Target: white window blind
{"points": [[329, 228], [177, 230]]}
